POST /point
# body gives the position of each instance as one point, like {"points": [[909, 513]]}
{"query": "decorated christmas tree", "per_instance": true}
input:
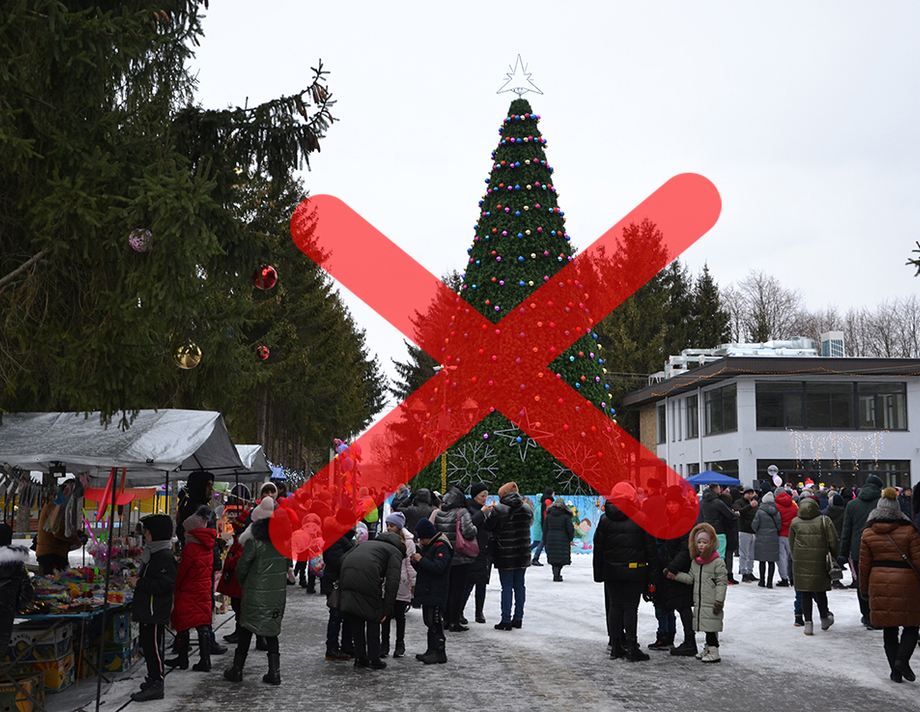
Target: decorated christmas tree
{"points": [[519, 243]]}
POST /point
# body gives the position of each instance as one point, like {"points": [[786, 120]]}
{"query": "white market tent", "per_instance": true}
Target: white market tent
{"points": [[257, 467], [157, 444]]}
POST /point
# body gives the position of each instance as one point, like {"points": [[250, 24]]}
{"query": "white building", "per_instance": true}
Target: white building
{"points": [[834, 420]]}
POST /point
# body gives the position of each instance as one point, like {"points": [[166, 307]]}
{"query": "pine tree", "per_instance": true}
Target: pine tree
{"points": [[520, 242], [100, 142], [710, 317]]}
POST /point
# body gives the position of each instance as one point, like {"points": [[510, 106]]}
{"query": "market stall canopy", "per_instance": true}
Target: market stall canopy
{"points": [[156, 443], [710, 477], [257, 467]]}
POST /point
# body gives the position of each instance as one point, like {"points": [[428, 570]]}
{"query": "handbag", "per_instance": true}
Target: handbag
{"points": [[334, 599], [464, 546], [833, 568]]}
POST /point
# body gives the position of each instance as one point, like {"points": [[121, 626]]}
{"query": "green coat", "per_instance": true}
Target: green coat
{"points": [[811, 535], [262, 572], [558, 532]]}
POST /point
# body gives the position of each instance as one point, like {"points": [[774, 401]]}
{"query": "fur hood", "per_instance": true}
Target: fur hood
{"points": [[889, 515], [14, 554], [713, 541], [257, 530]]}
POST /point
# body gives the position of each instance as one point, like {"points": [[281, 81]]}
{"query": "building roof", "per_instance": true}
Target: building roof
{"points": [[734, 366]]}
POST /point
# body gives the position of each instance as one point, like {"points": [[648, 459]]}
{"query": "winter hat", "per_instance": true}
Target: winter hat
{"points": [[198, 520], [875, 480], [197, 484], [749, 489], [397, 518], [507, 488], [838, 501], [425, 529], [623, 494], [264, 510], [888, 502], [768, 498], [238, 523], [674, 494], [6, 534], [477, 488], [160, 526]]}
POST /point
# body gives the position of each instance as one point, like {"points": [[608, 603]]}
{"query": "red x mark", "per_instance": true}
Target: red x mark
{"points": [[504, 366]]}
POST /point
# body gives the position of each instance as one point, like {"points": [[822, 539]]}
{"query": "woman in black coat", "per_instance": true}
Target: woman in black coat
{"points": [[332, 562], [481, 569], [558, 533]]}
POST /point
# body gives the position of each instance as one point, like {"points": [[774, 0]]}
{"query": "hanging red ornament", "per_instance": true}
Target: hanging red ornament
{"points": [[263, 353], [265, 277]]}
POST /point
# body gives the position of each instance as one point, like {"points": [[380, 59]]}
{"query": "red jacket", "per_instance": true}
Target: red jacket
{"points": [[788, 510], [228, 584], [194, 581]]}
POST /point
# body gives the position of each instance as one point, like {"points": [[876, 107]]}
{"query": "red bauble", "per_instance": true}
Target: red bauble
{"points": [[265, 277], [263, 352]]}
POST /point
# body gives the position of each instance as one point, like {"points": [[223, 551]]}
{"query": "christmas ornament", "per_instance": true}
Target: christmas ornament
{"points": [[187, 356], [140, 240], [263, 352], [265, 277]]}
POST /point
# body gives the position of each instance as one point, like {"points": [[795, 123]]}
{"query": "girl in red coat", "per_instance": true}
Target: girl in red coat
{"points": [[192, 606], [229, 585]]}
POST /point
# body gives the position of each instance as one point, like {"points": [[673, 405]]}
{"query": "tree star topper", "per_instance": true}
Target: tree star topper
{"points": [[519, 80]]}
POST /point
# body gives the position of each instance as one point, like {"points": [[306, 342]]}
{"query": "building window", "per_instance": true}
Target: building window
{"points": [[882, 406], [662, 423], [693, 468], [831, 406], [693, 417], [724, 467], [841, 473], [721, 410]]}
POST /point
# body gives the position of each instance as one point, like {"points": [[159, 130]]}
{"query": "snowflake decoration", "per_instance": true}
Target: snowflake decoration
{"points": [[588, 464], [472, 463], [517, 438]]}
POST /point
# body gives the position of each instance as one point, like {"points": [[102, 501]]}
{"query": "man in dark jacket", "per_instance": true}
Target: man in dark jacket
{"points": [[719, 515], [369, 567], [854, 521], [510, 521], [420, 506], [746, 506], [332, 567], [153, 601], [624, 555], [431, 587]]}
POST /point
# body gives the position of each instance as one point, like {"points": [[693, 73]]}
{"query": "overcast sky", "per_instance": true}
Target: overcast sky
{"points": [[804, 116]]}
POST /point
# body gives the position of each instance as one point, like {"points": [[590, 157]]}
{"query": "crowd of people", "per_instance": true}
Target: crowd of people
{"points": [[436, 552]]}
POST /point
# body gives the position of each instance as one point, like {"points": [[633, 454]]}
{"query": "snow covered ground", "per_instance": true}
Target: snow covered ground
{"points": [[558, 660]]}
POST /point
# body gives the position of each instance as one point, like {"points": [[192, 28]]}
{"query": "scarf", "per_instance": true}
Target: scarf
{"points": [[152, 547], [702, 562]]}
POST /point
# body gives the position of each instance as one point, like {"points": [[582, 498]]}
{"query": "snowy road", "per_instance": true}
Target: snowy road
{"points": [[558, 660]]}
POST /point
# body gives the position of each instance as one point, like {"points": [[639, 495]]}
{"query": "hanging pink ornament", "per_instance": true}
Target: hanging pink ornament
{"points": [[140, 240], [265, 277]]}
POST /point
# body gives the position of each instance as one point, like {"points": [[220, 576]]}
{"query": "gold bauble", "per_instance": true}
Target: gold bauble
{"points": [[187, 356]]}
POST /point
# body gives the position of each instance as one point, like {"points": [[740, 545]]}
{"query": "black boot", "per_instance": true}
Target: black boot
{"points": [[204, 649], [273, 676], [480, 604], [400, 650], [216, 648], [234, 673], [664, 641], [422, 656], [181, 660], [617, 650], [433, 657], [685, 649], [634, 654], [152, 691]]}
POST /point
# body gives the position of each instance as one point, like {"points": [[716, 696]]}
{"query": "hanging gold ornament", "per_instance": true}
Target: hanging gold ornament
{"points": [[187, 356]]}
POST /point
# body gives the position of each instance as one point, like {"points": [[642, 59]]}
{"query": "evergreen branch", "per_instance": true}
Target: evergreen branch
{"points": [[23, 267]]}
